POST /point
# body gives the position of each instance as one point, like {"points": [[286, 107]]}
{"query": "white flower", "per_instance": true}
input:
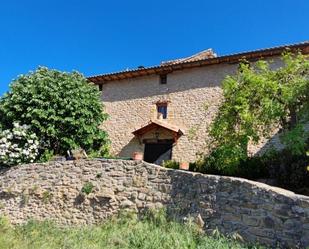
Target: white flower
{"points": [[16, 133], [18, 146], [25, 127], [3, 140], [26, 152]]}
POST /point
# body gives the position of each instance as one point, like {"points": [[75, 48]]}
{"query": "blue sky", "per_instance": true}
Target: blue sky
{"points": [[97, 36]]}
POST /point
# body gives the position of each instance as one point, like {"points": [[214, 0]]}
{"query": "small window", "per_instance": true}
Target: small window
{"points": [[100, 87], [163, 79], [162, 109]]}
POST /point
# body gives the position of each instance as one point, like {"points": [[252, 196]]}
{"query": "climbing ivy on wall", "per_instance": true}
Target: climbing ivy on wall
{"points": [[258, 99]]}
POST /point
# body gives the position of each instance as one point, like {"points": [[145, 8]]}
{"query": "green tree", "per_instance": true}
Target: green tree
{"points": [[258, 99], [63, 109]]}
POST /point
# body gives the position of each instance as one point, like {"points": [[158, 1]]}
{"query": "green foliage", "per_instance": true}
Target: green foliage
{"points": [[123, 232], [290, 171], [295, 139], [87, 188], [257, 100], [225, 160], [63, 109], [46, 155], [46, 197], [171, 164], [247, 167]]}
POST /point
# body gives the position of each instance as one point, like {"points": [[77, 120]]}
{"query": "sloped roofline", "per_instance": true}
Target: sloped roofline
{"points": [[157, 123], [232, 58]]}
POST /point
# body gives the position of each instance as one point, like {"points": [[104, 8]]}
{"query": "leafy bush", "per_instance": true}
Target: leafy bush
{"points": [[171, 164], [18, 145], [219, 163], [258, 99], [253, 168], [290, 171], [63, 109]]}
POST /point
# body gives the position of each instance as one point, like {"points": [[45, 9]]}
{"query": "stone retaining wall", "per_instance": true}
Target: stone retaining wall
{"points": [[254, 210]]}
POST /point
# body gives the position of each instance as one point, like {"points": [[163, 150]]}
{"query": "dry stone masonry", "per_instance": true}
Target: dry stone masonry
{"points": [[57, 191]]}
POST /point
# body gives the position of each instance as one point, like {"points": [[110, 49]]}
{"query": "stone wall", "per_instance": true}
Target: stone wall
{"points": [[52, 191]]}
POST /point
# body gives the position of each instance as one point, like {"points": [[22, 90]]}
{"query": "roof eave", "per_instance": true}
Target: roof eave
{"points": [[233, 58]]}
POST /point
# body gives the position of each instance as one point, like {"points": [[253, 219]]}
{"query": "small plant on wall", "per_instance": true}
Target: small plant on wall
{"points": [[171, 164], [47, 196], [87, 188]]}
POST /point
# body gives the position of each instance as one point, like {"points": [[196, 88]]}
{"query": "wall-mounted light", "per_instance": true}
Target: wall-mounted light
{"points": [[157, 134]]}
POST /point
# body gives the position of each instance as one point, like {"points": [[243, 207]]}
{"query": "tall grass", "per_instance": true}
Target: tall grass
{"points": [[152, 232]]}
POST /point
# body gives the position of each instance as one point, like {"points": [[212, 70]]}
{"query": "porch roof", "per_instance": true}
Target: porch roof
{"points": [[152, 124]]}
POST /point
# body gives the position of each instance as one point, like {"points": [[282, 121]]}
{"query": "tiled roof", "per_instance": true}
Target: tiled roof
{"points": [[157, 123], [205, 54], [196, 61]]}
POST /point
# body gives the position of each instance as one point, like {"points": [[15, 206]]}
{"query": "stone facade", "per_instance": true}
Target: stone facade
{"points": [[255, 211], [193, 97]]}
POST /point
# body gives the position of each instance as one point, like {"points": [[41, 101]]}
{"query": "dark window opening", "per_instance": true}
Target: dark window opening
{"points": [[163, 79], [100, 87], [162, 109]]}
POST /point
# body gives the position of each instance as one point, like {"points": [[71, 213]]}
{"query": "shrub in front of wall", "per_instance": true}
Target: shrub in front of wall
{"points": [[241, 165], [63, 109], [171, 164], [290, 171], [253, 168], [217, 162]]}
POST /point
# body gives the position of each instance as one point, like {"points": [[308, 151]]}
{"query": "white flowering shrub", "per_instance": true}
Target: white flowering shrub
{"points": [[18, 145]]}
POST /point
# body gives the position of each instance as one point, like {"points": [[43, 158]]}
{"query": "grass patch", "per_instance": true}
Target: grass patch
{"points": [[126, 232]]}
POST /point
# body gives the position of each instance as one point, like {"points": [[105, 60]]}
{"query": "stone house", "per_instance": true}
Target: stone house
{"points": [[164, 111]]}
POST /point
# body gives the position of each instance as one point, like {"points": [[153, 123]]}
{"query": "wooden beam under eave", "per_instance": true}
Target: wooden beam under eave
{"points": [[143, 73], [151, 71], [107, 77], [177, 67], [129, 75], [114, 77], [157, 70], [175, 137], [121, 76], [93, 80], [135, 74], [100, 79]]}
